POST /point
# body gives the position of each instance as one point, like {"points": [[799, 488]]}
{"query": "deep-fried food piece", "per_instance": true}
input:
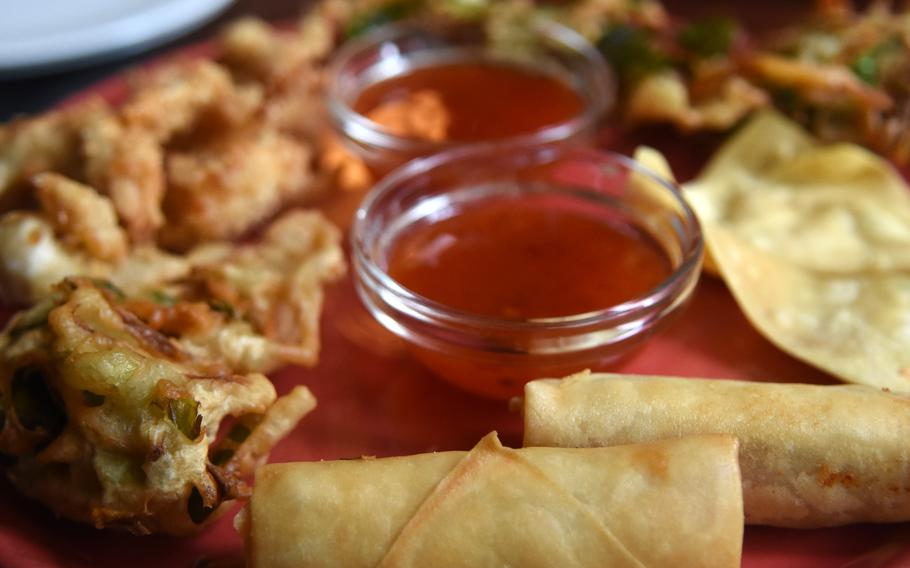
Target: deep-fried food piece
{"points": [[296, 107], [108, 421], [844, 74], [126, 164], [33, 258], [665, 97], [822, 84], [223, 189], [148, 268], [276, 286], [47, 142], [251, 48], [348, 172], [84, 219], [171, 100]]}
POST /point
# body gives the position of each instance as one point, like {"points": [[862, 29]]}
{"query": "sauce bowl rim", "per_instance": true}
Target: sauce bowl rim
{"points": [[354, 126], [413, 305]]}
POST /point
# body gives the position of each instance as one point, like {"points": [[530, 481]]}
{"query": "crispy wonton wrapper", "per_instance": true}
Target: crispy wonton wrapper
{"points": [[811, 455], [669, 503], [836, 207], [814, 243]]}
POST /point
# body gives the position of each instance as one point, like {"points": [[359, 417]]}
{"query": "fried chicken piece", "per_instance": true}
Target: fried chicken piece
{"points": [[274, 290], [296, 107], [84, 219], [126, 164], [33, 259], [109, 422], [253, 49], [171, 100], [225, 188], [47, 142]]}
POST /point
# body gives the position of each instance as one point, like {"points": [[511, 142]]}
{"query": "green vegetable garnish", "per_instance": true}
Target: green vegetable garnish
{"points": [[385, 14], [223, 307], [35, 405], [184, 413], [163, 298], [631, 51], [197, 509], [868, 65], [92, 399], [708, 37]]}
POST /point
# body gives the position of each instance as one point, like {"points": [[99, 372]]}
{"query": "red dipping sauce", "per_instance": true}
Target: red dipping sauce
{"points": [[484, 99], [519, 259], [501, 264]]}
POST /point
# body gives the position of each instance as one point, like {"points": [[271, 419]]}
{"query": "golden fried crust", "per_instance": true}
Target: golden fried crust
{"points": [[223, 189], [110, 422], [252, 49], [171, 100], [127, 164], [87, 219], [33, 258], [277, 286], [47, 142]]}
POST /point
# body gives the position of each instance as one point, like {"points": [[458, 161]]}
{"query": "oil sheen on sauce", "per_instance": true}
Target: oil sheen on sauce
{"points": [[485, 100], [518, 259]]}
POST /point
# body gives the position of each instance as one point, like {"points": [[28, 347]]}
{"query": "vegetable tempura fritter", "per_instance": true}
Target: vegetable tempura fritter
{"points": [[271, 292], [108, 421]]}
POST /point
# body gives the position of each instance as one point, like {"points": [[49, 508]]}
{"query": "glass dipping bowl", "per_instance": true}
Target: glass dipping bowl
{"points": [[543, 46], [493, 356]]}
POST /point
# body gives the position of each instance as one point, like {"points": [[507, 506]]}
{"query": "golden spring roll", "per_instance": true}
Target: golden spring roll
{"points": [[671, 503], [811, 456]]}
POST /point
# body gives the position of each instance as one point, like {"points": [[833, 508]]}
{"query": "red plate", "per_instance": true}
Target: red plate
{"points": [[375, 400]]}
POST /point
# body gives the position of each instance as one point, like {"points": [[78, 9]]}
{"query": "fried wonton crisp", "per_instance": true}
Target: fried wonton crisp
{"points": [[814, 243]]}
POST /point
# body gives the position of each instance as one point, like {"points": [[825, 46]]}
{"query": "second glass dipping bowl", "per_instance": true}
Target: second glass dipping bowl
{"points": [[493, 356]]}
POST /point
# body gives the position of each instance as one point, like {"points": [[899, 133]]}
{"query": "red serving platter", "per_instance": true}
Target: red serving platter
{"points": [[374, 399]]}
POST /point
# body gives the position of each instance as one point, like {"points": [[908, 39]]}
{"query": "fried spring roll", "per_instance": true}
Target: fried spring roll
{"points": [[811, 456], [670, 503]]}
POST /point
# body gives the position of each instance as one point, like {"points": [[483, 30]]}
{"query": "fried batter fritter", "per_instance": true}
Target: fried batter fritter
{"points": [[107, 421], [275, 288], [33, 258], [85, 219]]}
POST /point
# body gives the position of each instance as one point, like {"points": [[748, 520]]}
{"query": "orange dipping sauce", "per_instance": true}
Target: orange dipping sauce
{"points": [[484, 99], [520, 258]]}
